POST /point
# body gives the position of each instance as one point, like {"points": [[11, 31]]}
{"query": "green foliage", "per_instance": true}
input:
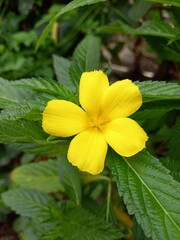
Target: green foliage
{"points": [[72, 5], [61, 67], [85, 58], [51, 198], [156, 90], [73, 222], [149, 192], [28, 202], [170, 2], [70, 179], [42, 176]]}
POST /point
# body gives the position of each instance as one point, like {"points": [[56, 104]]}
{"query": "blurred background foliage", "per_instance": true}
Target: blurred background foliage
{"points": [[140, 40], [137, 56]]}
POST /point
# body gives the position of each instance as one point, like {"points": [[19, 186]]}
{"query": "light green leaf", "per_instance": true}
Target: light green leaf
{"points": [[85, 58], [31, 110], [149, 192], [170, 2], [61, 67], [28, 203], [9, 93], [81, 224], [46, 86], [70, 179], [50, 149], [72, 5], [42, 176], [159, 90], [21, 131]]}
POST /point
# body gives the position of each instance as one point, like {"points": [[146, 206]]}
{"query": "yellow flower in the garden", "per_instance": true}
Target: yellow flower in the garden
{"points": [[102, 120]]}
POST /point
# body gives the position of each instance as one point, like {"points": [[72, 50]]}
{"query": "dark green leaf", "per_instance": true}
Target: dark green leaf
{"points": [[28, 202], [173, 166], [21, 131], [70, 179], [85, 58], [61, 67], [72, 5], [149, 192], [50, 149], [170, 2], [79, 224], [42, 176], [148, 28], [138, 9], [174, 145]]}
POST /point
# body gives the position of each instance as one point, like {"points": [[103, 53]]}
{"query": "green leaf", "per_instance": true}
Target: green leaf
{"points": [[9, 93], [81, 224], [70, 179], [28, 202], [138, 9], [174, 144], [85, 58], [158, 90], [170, 2], [46, 86], [148, 28], [149, 192], [42, 176], [173, 166], [31, 110], [138, 232], [21, 131], [165, 50], [61, 67], [50, 149], [72, 5]]}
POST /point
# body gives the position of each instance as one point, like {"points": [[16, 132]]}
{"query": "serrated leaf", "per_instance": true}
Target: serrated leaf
{"points": [[72, 5], [155, 109], [42, 176], [85, 58], [138, 232], [46, 86], [50, 149], [70, 179], [80, 224], [28, 202], [149, 192], [173, 166], [174, 144], [170, 2], [21, 131], [9, 93], [31, 110], [158, 90], [61, 67]]}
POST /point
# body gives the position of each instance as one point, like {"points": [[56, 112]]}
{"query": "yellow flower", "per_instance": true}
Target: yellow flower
{"points": [[102, 120]]}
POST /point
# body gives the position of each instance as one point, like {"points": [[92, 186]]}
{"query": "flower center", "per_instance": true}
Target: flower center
{"points": [[97, 122]]}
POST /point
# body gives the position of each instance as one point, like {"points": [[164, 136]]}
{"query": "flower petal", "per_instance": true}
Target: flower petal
{"points": [[121, 99], [91, 90], [63, 119], [88, 150], [125, 136]]}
